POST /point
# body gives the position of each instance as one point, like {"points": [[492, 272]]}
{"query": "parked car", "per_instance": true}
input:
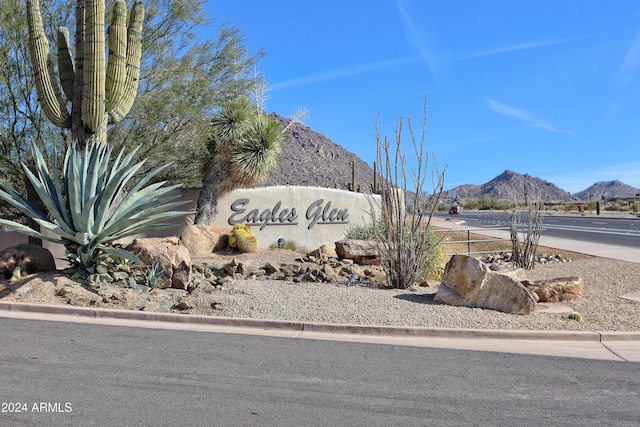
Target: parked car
{"points": [[454, 210]]}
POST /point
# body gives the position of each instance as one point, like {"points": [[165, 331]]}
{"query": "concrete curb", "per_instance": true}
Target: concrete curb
{"points": [[397, 331]]}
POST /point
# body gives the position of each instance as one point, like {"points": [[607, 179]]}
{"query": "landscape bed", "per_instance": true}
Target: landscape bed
{"points": [[362, 303]]}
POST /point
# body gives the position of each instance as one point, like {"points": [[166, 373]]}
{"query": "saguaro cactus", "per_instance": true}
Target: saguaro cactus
{"points": [[99, 92]]}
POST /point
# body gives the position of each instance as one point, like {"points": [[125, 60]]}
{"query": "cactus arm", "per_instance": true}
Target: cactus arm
{"points": [[117, 63], [47, 87], [93, 103], [78, 133], [124, 100], [65, 63]]}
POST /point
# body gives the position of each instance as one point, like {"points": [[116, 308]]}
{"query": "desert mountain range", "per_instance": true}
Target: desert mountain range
{"points": [[312, 159]]}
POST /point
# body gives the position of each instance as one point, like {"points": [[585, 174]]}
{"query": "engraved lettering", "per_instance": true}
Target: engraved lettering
{"points": [[314, 212], [265, 218], [237, 207], [318, 214]]}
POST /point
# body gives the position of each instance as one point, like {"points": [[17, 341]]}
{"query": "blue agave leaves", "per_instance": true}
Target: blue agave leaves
{"points": [[95, 203]]}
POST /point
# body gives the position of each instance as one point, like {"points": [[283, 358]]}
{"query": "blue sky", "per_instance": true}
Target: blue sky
{"points": [[548, 88]]}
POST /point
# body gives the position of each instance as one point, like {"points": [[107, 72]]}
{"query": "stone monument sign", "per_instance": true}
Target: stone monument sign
{"points": [[306, 216]]}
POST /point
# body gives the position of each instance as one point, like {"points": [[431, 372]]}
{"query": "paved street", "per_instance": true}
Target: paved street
{"points": [[621, 230], [107, 375], [82, 367], [603, 240]]}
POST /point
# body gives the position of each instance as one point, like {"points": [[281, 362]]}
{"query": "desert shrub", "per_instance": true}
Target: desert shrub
{"points": [[404, 241], [430, 269], [470, 205], [618, 206], [369, 231], [525, 235], [485, 203], [289, 245], [590, 205]]}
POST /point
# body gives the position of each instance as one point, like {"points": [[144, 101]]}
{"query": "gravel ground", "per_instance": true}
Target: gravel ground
{"points": [[605, 281]]}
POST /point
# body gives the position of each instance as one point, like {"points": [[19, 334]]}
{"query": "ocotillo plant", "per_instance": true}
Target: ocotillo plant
{"points": [[99, 92]]}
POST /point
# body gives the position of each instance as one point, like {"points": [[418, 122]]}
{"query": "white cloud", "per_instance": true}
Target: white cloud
{"points": [[631, 60], [614, 109], [509, 111], [341, 72], [416, 39], [514, 48]]}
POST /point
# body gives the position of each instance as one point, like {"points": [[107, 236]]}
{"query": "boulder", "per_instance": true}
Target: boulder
{"points": [[172, 259], [363, 252], [469, 282], [324, 252], [201, 239], [28, 258], [561, 289]]}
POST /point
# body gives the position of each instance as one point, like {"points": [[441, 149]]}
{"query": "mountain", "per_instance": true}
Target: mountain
{"points": [[509, 186], [312, 159], [609, 190]]}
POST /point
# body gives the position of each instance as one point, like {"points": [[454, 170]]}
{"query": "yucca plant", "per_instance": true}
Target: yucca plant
{"points": [[244, 149], [94, 204]]}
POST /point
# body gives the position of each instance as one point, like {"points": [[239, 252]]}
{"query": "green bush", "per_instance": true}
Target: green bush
{"points": [[619, 206], [486, 203], [590, 205], [430, 269], [366, 232], [289, 246]]}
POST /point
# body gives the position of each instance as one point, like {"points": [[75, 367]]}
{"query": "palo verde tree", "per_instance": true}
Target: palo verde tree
{"points": [[185, 78], [21, 118]]}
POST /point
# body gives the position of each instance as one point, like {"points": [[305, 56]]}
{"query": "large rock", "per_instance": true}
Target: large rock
{"points": [[28, 258], [172, 258], [561, 289], [363, 252], [202, 240], [323, 253], [469, 282]]}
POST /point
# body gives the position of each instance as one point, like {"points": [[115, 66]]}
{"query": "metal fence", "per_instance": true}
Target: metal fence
{"points": [[469, 242]]}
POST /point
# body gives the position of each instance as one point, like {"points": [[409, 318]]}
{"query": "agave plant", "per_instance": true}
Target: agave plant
{"points": [[94, 204]]}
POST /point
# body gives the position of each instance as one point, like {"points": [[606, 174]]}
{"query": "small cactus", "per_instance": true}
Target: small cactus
{"points": [[574, 315], [16, 277], [242, 238], [248, 244], [154, 276], [233, 237]]}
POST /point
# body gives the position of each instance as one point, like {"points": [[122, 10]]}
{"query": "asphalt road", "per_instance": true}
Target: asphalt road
{"points": [[91, 375], [613, 231]]}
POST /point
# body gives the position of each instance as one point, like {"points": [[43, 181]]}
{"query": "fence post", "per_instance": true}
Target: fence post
{"points": [[468, 242]]}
